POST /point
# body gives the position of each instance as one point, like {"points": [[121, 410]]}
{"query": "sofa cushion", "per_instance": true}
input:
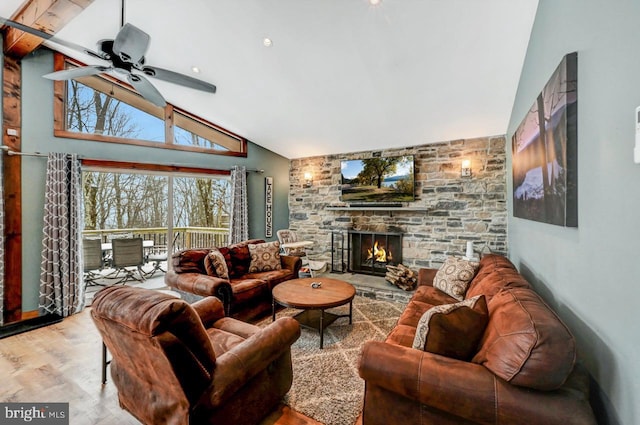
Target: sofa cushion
{"points": [[453, 330], [431, 295], [190, 260], [240, 258], [265, 257], [223, 341], [245, 290], [226, 253], [273, 277], [216, 264], [496, 272], [414, 311], [401, 335], [525, 343], [454, 276]]}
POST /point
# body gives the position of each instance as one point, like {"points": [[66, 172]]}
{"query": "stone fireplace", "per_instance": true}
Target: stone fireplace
{"points": [[449, 210], [372, 252]]}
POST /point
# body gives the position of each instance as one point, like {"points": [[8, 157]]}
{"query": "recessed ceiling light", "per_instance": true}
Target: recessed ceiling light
{"points": [[195, 69], [267, 42], [374, 2]]}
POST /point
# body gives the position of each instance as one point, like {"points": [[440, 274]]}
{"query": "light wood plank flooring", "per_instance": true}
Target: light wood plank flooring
{"points": [[61, 363]]}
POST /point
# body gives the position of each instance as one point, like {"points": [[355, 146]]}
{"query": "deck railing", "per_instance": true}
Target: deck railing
{"points": [[183, 237]]}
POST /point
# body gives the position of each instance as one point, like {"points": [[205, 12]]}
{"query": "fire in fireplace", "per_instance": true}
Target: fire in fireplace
{"points": [[378, 254], [371, 252]]}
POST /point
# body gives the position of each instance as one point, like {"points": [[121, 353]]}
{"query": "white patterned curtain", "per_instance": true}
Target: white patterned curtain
{"points": [[1, 244], [239, 221], [61, 289]]}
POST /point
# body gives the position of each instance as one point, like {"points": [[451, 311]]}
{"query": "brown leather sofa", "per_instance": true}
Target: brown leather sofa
{"points": [[176, 363], [523, 371], [246, 296]]}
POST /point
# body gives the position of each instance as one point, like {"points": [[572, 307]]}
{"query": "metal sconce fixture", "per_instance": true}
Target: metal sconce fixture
{"points": [[465, 171], [308, 179]]}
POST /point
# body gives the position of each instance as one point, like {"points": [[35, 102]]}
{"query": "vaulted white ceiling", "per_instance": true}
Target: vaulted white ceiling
{"points": [[341, 75]]}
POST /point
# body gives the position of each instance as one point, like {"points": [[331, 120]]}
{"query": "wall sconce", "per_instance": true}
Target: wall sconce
{"points": [[308, 179], [465, 171]]}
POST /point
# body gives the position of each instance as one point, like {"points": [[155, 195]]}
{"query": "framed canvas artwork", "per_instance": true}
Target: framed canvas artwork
{"points": [[545, 152]]}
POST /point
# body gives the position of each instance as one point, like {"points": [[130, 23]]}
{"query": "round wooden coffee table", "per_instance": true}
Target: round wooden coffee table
{"points": [[301, 294]]}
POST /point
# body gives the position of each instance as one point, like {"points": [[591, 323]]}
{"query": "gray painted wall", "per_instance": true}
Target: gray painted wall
{"points": [[37, 135], [590, 275]]}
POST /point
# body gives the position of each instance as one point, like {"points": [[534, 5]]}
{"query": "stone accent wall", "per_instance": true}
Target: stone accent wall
{"points": [[457, 209]]}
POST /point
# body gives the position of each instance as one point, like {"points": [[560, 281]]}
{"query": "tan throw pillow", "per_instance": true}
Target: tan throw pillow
{"points": [[216, 265], [453, 330], [454, 277], [264, 257]]}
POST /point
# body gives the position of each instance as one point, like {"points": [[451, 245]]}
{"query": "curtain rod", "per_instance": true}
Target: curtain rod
{"points": [[44, 155], [11, 153]]}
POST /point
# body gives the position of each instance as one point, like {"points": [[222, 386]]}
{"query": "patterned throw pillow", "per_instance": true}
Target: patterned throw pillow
{"points": [[454, 277], [265, 257], [453, 330], [239, 257], [216, 264]]}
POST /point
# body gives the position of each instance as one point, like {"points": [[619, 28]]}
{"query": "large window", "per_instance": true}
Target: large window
{"points": [[189, 131], [194, 213], [102, 108], [92, 111]]}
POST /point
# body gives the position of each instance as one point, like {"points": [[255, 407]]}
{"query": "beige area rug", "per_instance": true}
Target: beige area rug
{"points": [[326, 384]]}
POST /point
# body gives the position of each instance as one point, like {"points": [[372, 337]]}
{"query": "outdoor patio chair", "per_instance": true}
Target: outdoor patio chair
{"points": [[92, 261], [157, 258], [127, 254], [110, 238]]}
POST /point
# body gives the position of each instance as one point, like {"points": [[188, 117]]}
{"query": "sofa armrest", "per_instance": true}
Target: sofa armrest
{"points": [[210, 309], [426, 276], [244, 361], [200, 284], [291, 262], [469, 390], [460, 388]]}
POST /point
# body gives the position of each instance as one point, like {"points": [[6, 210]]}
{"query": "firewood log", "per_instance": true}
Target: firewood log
{"points": [[401, 276]]}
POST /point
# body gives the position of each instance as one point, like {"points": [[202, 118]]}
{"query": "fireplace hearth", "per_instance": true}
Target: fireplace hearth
{"points": [[372, 252]]}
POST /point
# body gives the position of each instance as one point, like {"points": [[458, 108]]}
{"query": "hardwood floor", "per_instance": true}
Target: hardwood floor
{"points": [[61, 363]]}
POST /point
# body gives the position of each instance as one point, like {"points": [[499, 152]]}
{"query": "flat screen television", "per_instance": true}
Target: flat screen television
{"points": [[380, 180]]}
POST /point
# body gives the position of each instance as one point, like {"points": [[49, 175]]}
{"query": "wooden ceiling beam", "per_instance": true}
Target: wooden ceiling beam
{"points": [[49, 16]]}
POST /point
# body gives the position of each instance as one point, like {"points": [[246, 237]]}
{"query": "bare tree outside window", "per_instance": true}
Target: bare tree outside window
{"points": [[119, 200], [95, 112]]}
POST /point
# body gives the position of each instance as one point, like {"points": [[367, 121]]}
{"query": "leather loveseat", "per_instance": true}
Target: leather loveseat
{"points": [[523, 370], [246, 294]]}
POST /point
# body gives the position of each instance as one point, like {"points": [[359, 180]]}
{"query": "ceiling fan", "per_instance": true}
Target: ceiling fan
{"points": [[126, 56]]}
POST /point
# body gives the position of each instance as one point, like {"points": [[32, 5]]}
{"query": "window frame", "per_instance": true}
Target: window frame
{"points": [[59, 119]]}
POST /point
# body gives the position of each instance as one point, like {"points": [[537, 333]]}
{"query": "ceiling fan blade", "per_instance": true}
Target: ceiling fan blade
{"points": [[177, 78], [146, 89], [48, 37], [131, 44], [84, 71]]}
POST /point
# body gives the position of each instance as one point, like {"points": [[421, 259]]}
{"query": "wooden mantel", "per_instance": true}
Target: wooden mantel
{"points": [[49, 16]]}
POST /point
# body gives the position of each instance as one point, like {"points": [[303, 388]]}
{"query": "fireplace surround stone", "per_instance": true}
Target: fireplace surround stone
{"points": [[448, 211]]}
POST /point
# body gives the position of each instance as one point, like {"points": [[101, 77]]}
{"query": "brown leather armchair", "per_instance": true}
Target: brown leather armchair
{"points": [[176, 363]]}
